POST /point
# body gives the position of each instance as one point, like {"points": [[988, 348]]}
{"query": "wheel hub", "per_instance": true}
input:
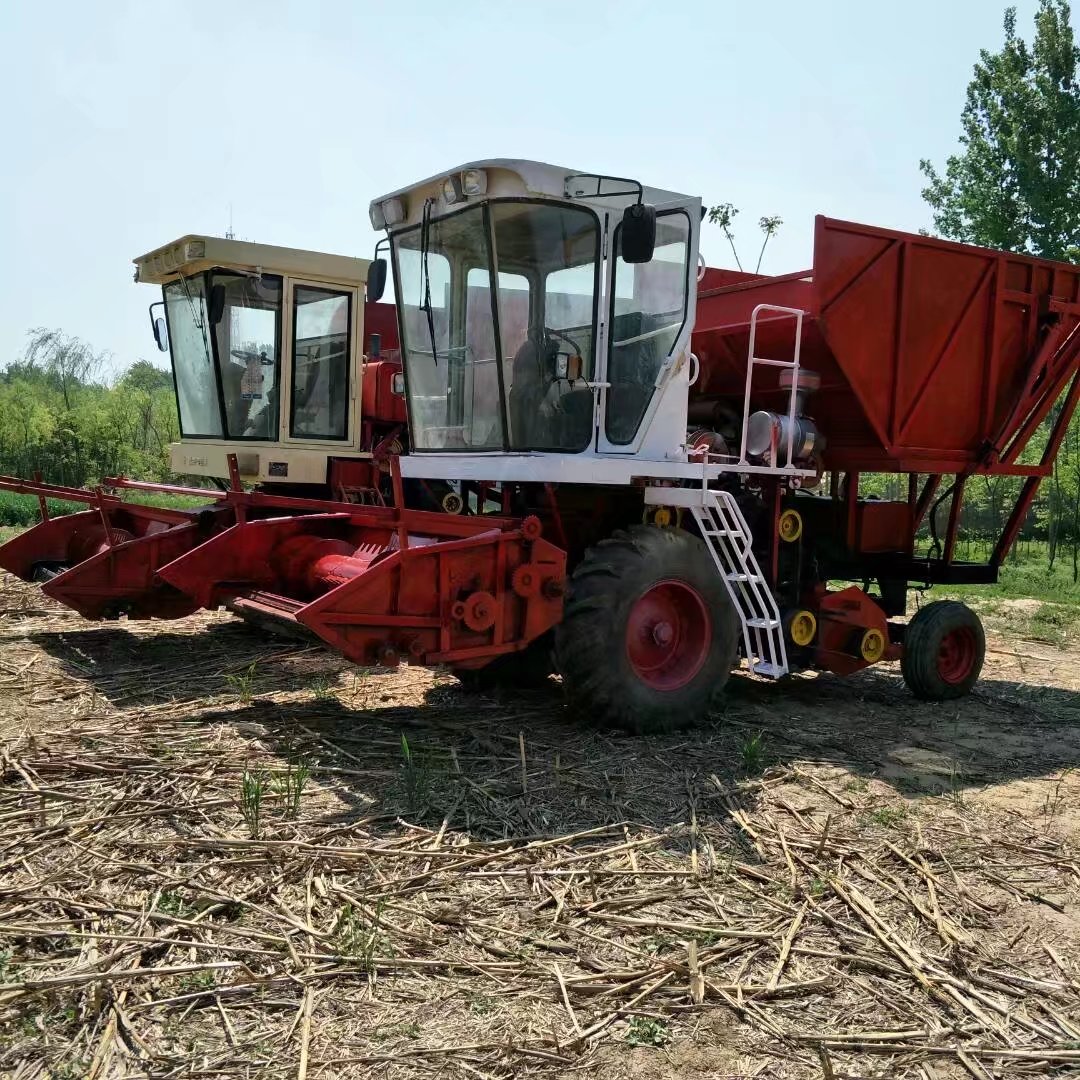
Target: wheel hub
{"points": [[668, 635], [956, 655]]}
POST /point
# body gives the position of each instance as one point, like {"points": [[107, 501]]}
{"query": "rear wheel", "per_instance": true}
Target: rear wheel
{"points": [[648, 635], [944, 649]]}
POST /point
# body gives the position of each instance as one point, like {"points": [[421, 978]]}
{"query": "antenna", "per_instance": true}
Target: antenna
{"points": [[229, 234]]}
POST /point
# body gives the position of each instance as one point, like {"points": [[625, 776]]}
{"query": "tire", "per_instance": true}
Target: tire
{"points": [[944, 649], [649, 635], [529, 669]]}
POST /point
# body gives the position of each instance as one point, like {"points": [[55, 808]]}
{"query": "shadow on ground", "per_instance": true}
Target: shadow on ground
{"points": [[464, 752]]}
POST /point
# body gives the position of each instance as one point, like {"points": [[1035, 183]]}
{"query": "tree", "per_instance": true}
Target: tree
{"points": [[68, 362], [1015, 182], [724, 214]]}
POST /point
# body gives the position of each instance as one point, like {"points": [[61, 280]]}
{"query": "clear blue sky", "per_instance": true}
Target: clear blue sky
{"points": [[126, 125]]}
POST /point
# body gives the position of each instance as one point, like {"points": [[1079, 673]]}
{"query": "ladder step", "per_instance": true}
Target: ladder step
{"points": [[721, 532], [770, 671], [744, 577], [763, 624]]}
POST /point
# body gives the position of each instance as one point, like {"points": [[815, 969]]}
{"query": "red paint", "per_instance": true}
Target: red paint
{"points": [[668, 635], [932, 354], [843, 617], [957, 655]]}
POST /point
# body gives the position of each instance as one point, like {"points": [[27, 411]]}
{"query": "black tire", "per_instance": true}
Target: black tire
{"points": [[944, 649], [594, 640], [529, 669]]}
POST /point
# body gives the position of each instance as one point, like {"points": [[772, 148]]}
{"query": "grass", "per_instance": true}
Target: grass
{"points": [[752, 752], [289, 786], [888, 816], [243, 683], [647, 1031], [359, 939], [252, 789], [22, 510], [416, 779]]}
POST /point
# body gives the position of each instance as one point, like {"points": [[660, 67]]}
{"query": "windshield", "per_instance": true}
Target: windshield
{"points": [[498, 337], [245, 342], [189, 346]]}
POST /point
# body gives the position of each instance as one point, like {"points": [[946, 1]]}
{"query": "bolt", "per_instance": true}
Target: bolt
{"points": [[663, 633]]}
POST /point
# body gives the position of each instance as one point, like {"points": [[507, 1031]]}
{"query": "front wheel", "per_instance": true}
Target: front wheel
{"points": [[648, 635], [944, 649]]}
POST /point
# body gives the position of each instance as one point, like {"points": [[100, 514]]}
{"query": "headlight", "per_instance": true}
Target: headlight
{"points": [[451, 190], [393, 211], [474, 181]]}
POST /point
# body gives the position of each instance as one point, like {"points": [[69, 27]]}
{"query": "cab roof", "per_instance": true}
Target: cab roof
{"points": [[192, 254]]}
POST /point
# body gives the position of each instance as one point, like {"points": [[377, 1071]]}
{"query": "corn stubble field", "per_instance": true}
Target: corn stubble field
{"points": [[225, 854]]}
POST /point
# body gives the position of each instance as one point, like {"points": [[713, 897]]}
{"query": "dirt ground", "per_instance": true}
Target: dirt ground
{"points": [[224, 854]]}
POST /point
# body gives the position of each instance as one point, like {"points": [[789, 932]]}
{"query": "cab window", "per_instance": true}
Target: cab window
{"points": [[322, 332], [649, 303]]}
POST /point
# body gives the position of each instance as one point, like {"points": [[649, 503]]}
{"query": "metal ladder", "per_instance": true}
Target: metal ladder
{"points": [[728, 539]]}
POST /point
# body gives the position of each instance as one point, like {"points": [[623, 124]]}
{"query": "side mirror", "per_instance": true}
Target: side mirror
{"points": [[638, 235], [217, 304], [159, 326], [376, 280]]}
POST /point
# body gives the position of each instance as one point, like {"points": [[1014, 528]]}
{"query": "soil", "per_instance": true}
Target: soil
{"points": [[228, 854]]}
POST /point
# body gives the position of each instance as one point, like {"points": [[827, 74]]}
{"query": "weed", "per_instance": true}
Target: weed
{"points": [[289, 786], [243, 683], [855, 783], [415, 779], [360, 940], [321, 689], [170, 903], [646, 1031], [817, 887], [889, 816], [1055, 797], [656, 943], [6, 972], [252, 789], [956, 788], [752, 751], [199, 980], [481, 1006]]}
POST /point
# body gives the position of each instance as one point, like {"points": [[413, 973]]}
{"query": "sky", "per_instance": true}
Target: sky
{"points": [[127, 125]]}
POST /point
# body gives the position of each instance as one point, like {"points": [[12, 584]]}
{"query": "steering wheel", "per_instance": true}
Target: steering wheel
{"points": [[248, 355]]}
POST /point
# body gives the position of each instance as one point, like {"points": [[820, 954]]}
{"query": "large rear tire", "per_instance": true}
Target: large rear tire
{"points": [[944, 649], [648, 635]]}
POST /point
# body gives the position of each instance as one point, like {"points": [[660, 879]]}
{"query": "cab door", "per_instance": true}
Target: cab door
{"points": [[649, 310], [324, 331]]}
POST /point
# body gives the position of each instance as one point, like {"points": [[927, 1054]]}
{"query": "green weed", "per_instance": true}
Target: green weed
{"points": [[361, 940], [888, 816], [243, 683], [416, 777], [647, 1031], [752, 752], [199, 980], [252, 789], [170, 903], [289, 786], [321, 689]]}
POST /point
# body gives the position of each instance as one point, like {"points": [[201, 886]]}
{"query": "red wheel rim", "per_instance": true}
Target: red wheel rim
{"points": [[668, 635], [956, 655]]}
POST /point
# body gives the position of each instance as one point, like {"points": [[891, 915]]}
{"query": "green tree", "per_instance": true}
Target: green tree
{"points": [[1015, 181]]}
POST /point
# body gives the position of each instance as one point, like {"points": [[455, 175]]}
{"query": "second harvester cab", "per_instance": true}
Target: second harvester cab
{"points": [[278, 360]]}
